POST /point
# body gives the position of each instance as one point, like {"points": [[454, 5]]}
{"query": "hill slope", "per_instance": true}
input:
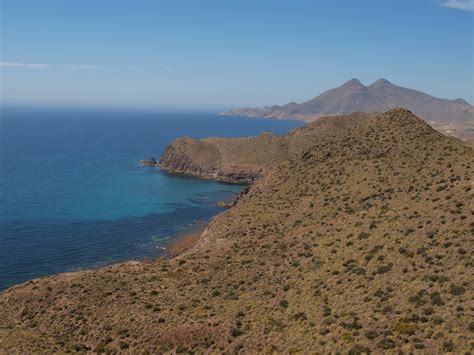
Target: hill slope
{"points": [[363, 241], [454, 116]]}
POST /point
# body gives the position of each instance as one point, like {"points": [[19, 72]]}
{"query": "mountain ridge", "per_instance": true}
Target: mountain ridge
{"points": [[454, 117]]}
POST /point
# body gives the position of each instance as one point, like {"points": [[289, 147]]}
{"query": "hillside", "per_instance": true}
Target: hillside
{"points": [[455, 117], [360, 240]]}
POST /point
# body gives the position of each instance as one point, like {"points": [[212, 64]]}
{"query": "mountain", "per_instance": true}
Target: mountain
{"points": [[358, 240], [454, 117]]}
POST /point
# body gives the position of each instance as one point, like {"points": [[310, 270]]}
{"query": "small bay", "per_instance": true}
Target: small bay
{"points": [[72, 195]]}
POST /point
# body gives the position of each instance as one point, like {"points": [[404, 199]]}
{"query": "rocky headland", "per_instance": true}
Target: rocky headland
{"points": [[234, 160]]}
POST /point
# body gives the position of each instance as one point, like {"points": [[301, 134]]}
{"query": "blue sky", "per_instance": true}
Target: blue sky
{"points": [[220, 54]]}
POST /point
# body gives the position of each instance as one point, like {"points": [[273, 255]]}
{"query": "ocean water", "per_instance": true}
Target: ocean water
{"points": [[72, 195]]}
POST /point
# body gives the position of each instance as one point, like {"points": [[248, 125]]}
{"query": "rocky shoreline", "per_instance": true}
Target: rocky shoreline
{"points": [[216, 159], [238, 179]]}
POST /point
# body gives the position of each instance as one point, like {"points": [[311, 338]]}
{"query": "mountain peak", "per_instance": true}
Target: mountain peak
{"points": [[379, 96], [353, 83], [381, 82]]}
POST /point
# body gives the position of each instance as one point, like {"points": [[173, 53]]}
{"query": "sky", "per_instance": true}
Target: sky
{"points": [[227, 53]]}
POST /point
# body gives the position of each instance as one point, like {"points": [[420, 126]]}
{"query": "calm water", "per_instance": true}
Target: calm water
{"points": [[72, 195]]}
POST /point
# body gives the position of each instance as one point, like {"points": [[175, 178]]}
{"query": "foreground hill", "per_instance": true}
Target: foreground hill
{"points": [[449, 116], [360, 242]]}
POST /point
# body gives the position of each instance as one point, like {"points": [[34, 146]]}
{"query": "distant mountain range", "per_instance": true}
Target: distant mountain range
{"points": [[449, 116]]}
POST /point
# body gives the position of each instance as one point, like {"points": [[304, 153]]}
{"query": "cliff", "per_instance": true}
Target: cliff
{"points": [[360, 241], [236, 160], [204, 159]]}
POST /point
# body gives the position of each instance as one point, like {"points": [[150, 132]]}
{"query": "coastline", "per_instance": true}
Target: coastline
{"points": [[209, 177], [184, 243], [239, 180], [179, 245]]}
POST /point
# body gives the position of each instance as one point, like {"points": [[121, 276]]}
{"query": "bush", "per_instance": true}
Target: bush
{"points": [[359, 349], [436, 299], [406, 328], [386, 344], [428, 311], [362, 235], [448, 346], [326, 311], [371, 334], [457, 290], [324, 331], [471, 327], [383, 269], [300, 316], [235, 332]]}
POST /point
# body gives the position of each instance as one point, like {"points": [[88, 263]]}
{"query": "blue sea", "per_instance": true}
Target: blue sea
{"points": [[72, 195]]}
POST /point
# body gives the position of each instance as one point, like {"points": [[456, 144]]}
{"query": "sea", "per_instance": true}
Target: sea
{"points": [[73, 195]]}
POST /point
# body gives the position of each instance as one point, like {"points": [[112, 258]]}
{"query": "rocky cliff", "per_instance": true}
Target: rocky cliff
{"points": [[237, 160]]}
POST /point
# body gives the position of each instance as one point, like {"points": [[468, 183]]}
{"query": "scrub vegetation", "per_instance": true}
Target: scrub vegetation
{"points": [[360, 240]]}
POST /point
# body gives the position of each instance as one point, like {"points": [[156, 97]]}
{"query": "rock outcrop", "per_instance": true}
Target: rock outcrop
{"points": [[149, 162]]}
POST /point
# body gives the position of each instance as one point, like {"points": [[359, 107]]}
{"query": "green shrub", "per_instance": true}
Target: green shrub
{"points": [[371, 334], [436, 299], [386, 344], [358, 350], [235, 332], [457, 290]]}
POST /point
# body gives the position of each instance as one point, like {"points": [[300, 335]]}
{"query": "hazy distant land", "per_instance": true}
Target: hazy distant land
{"points": [[452, 117]]}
